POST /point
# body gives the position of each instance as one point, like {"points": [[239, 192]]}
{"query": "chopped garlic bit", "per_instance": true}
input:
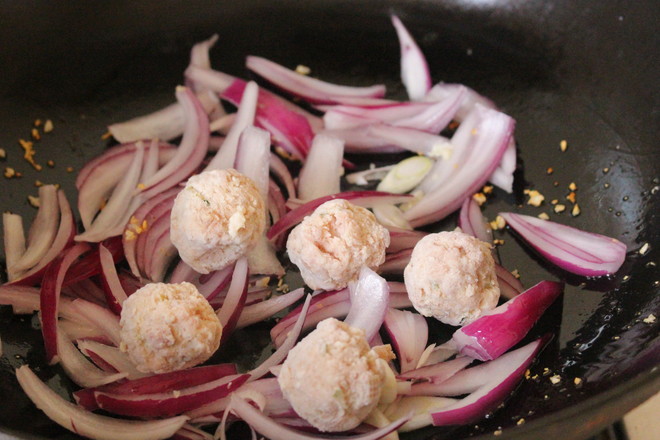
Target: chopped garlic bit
{"points": [[515, 273], [498, 242], [576, 210], [480, 198], [69, 169], [51, 163], [37, 122], [571, 197], [560, 208], [572, 186], [520, 422], [498, 223], [38, 183], [34, 201], [27, 146], [555, 379], [577, 381], [3, 153], [535, 197], [48, 126], [35, 134], [105, 136], [549, 171], [303, 70], [442, 150], [606, 170], [487, 189], [544, 216], [649, 319], [9, 172], [563, 145], [644, 249], [498, 432]]}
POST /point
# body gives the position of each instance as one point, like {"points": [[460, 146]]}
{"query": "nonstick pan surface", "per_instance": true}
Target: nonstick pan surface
{"points": [[581, 71]]}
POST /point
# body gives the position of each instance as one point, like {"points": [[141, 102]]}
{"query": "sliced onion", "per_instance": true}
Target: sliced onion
{"points": [[510, 286], [415, 73], [471, 98], [87, 424], [321, 173], [484, 139], [199, 54], [99, 317], [281, 171], [226, 156], [158, 383], [99, 176], [334, 304], [370, 297], [115, 212], [502, 177], [189, 432], [500, 378], [253, 157], [235, 300], [191, 151], [472, 222], [408, 332], [43, 229], [360, 198], [166, 123], [86, 290], [212, 284], [265, 309], [167, 403], [78, 368], [14, 241], [361, 139], [63, 239], [401, 239], [311, 89], [50, 297], [499, 329], [114, 292], [396, 262], [273, 430], [420, 407], [576, 251], [363, 177], [436, 373], [283, 350], [111, 358], [88, 266], [208, 78]]}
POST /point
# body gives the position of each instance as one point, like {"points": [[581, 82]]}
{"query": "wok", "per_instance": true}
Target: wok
{"points": [[582, 71]]}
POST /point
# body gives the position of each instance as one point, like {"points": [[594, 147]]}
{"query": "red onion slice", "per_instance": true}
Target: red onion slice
{"points": [[87, 424], [78, 368], [167, 403], [114, 292], [500, 376], [191, 151], [499, 329], [114, 212], [415, 73], [88, 266], [283, 350], [401, 239], [189, 432], [253, 157], [370, 297], [487, 139], [502, 177], [471, 98], [360, 198], [274, 431], [99, 317], [235, 300], [311, 89], [50, 297], [43, 229], [265, 309], [420, 407], [282, 173], [472, 221], [436, 373], [63, 239], [226, 155], [409, 333], [510, 286], [576, 251], [14, 241], [110, 358], [396, 262], [320, 175], [335, 304]]}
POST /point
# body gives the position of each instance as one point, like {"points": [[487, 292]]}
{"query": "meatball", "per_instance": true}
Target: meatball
{"points": [[332, 378], [216, 219], [451, 276], [331, 245], [167, 327]]}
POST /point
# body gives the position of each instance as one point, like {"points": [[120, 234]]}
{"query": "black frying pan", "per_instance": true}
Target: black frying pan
{"points": [[583, 71]]}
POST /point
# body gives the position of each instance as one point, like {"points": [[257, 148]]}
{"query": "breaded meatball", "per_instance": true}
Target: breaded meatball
{"points": [[451, 276], [332, 378], [331, 245], [216, 219], [167, 327]]}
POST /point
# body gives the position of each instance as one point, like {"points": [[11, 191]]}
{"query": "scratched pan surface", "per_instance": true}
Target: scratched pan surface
{"points": [[585, 72]]}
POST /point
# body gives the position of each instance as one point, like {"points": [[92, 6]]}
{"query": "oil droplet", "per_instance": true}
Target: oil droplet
{"points": [[610, 209], [625, 198], [606, 185], [618, 213], [656, 283]]}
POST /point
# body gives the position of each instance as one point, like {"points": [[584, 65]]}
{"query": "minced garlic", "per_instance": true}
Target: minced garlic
{"points": [[480, 198], [34, 201], [544, 216], [559, 208], [48, 126], [498, 223], [575, 211], [535, 197], [563, 145]]}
